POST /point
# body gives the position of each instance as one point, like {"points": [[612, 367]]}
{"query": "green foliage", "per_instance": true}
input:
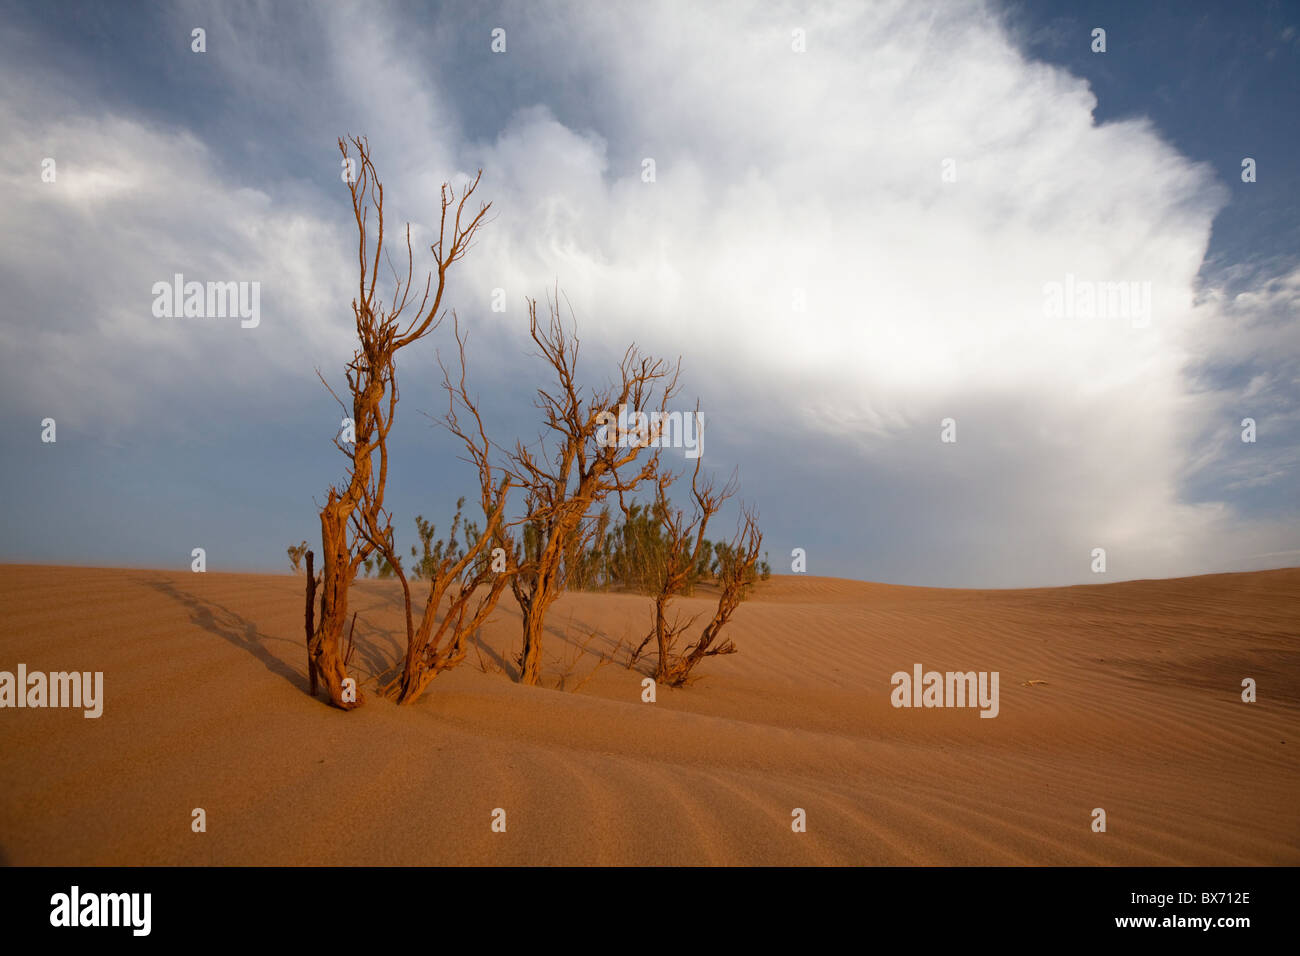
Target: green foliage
{"points": [[432, 553], [626, 555], [376, 565], [728, 565], [639, 550], [630, 555]]}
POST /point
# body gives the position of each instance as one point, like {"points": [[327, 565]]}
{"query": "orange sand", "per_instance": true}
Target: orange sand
{"points": [[205, 706]]}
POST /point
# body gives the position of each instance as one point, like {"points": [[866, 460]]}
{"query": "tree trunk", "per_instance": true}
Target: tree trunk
{"points": [[530, 671], [310, 618], [661, 634], [414, 681], [333, 605], [414, 672]]}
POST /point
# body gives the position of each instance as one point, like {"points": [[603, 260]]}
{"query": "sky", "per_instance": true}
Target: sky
{"points": [[870, 228]]}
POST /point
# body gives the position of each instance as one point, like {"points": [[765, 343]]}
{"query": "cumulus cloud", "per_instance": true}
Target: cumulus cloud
{"points": [[816, 179], [834, 295]]}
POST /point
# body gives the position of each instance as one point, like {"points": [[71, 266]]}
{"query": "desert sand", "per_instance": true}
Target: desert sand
{"points": [[1139, 712]]}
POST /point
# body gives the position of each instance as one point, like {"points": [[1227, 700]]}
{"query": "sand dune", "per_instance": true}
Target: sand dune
{"points": [[1139, 713]]}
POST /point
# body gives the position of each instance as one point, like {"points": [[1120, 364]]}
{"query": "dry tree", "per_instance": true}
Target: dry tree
{"points": [[353, 520], [684, 544], [685, 547], [582, 470], [470, 585], [296, 551], [569, 664]]}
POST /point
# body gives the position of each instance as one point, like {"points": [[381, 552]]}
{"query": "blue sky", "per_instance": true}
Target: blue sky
{"points": [[778, 172]]}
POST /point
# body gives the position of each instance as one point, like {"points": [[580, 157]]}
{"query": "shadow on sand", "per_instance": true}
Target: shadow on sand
{"points": [[238, 630], [379, 651]]}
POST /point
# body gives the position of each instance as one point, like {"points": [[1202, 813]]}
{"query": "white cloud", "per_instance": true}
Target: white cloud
{"points": [[820, 172], [778, 173], [132, 205]]}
